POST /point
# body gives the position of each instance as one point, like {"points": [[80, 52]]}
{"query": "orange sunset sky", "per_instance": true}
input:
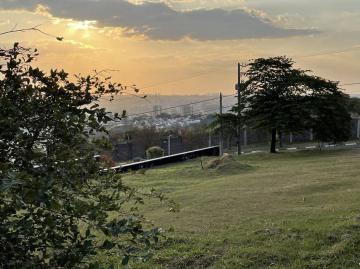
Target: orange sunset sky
{"points": [[189, 46]]}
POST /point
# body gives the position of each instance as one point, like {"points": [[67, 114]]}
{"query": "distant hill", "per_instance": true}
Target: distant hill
{"points": [[356, 95]]}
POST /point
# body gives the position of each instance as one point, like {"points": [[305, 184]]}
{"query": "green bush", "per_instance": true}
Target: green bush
{"points": [[58, 209], [154, 152]]}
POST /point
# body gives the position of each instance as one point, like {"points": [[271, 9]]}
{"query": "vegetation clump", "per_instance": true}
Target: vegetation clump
{"points": [[154, 152], [57, 207]]}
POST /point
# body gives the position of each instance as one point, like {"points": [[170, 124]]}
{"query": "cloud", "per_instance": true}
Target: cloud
{"points": [[160, 22]]}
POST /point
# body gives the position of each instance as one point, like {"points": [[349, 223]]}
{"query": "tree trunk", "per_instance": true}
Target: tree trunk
{"points": [[273, 141], [280, 139], [230, 142]]}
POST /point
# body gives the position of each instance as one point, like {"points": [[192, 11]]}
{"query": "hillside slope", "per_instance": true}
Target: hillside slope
{"points": [[289, 210]]}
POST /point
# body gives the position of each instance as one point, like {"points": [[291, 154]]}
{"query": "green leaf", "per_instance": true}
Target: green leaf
{"points": [[125, 260], [108, 244]]}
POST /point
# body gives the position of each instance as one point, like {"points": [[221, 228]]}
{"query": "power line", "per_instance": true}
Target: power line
{"points": [[208, 100], [350, 84], [172, 107], [181, 79], [201, 112], [216, 69], [329, 52]]}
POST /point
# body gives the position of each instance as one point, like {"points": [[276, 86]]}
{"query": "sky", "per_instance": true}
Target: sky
{"points": [[186, 47]]}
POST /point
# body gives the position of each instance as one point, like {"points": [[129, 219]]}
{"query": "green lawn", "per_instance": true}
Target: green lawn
{"points": [[289, 210]]}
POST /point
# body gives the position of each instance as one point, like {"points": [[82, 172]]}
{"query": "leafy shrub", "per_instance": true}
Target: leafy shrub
{"points": [[154, 152], [57, 208]]}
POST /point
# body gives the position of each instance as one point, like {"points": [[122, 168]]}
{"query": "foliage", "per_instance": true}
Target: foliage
{"points": [[227, 123], [107, 160], [145, 137], [56, 209], [273, 96], [328, 109], [354, 105], [194, 137], [280, 98], [154, 152]]}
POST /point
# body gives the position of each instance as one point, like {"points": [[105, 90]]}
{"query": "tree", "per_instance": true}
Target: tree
{"points": [[280, 98], [226, 122], [194, 137], [328, 110], [146, 137], [57, 208], [273, 97]]}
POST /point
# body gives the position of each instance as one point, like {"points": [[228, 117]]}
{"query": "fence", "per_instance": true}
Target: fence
{"points": [[210, 151], [250, 138]]}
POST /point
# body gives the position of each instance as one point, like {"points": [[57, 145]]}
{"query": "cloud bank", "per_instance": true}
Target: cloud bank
{"points": [[158, 21]]}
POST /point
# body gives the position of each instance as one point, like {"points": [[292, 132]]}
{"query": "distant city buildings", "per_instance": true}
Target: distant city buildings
{"points": [[160, 122], [174, 111], [156, 111], [187, 110]]}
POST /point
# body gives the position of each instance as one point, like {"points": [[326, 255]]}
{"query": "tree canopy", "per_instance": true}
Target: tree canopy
{"points": [[278, 97], [328, 110], [58, 207]]}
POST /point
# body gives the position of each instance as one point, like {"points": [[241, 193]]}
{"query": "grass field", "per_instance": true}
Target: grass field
{"points": [[288, 210]]}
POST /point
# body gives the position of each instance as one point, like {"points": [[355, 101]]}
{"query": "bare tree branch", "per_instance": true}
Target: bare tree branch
{"points": [[123, 87], [35, 28]]}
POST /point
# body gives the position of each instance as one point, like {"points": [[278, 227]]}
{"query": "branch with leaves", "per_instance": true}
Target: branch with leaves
{"points": [[57, 210]]}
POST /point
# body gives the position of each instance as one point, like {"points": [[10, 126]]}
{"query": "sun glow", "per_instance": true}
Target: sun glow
{"points": [[81, 25]]}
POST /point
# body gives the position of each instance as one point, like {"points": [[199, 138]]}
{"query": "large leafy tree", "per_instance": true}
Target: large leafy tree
{"points": [[57, 209], [328, 110], [281, 98], [273, 96]]}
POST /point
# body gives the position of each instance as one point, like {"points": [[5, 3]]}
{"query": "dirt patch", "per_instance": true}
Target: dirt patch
{"points": [[214, 163], [226, 164]]}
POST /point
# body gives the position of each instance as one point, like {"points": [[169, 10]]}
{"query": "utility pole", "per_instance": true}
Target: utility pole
{"points": [[238, 88], [221, 126], [169, 145]]}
